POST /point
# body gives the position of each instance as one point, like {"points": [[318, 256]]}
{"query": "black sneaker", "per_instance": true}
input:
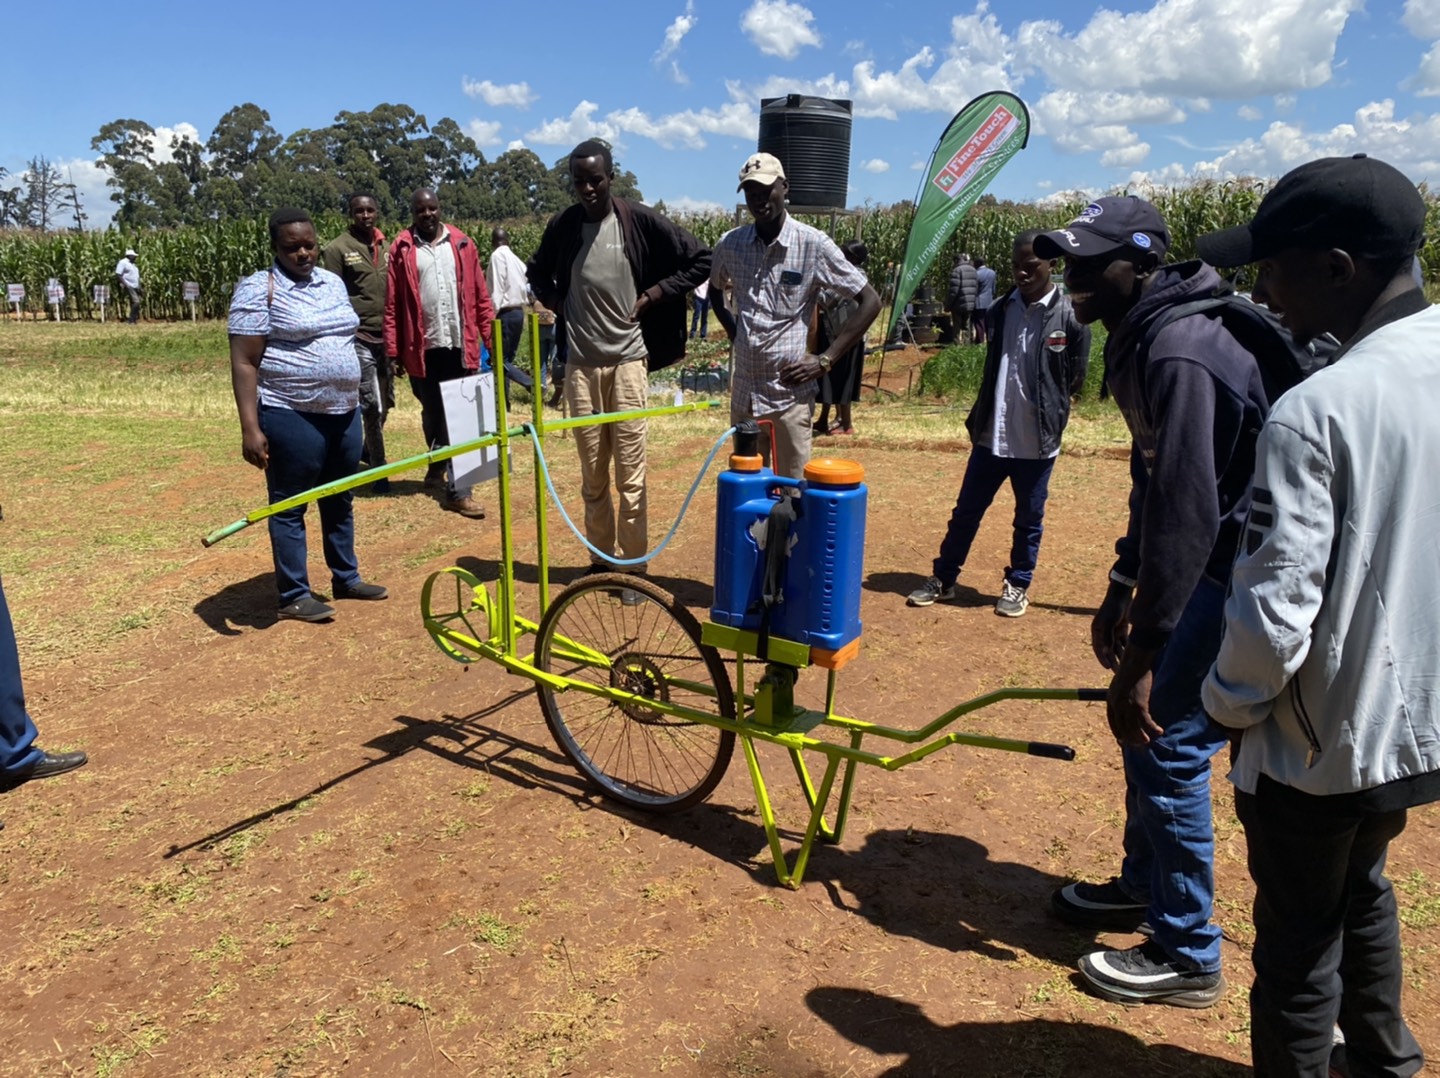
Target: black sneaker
{"points": [[306, 609], [1146, 974], [1013, 601], [929, 592], [361, 590], [1099, 905]]}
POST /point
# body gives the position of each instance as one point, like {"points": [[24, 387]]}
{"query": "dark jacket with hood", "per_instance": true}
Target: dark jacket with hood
{"points": [[1064, 357], [1194, 409], [665, 260], [964, 286]]}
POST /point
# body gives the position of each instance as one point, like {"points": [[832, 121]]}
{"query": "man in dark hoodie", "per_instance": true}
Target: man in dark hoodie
{"points": [[618, 272], [1194, 407]]}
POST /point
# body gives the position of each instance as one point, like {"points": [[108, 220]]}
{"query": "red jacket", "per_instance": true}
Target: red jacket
{"points": [[404, 318]]}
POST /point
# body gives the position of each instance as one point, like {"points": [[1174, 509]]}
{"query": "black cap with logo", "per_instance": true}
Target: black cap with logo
{"points": [[1358, 204], [1108, 224]]}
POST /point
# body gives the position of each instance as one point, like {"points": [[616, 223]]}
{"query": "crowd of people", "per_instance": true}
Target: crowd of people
{"points": [[1274, 593]]}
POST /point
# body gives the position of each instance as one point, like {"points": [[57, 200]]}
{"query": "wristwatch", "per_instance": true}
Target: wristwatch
{"points": [[824, 360]]}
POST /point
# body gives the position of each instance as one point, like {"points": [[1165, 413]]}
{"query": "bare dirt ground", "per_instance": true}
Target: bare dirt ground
{"points": [[325, 849]]}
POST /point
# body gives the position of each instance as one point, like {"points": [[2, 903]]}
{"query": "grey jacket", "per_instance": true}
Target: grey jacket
{"points": [[963, 288], [1332, 626]]}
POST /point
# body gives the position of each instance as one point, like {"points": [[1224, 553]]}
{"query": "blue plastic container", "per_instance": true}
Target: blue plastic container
{"points": [[822, 582], [821, 590], [743, 502]]}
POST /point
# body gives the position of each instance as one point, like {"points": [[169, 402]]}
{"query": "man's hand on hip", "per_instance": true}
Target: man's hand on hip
{"points": [[799, 371]]}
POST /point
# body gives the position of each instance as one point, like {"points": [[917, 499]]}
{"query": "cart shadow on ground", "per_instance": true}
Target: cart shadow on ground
{"points": [[886, 1025], [902, 584]]}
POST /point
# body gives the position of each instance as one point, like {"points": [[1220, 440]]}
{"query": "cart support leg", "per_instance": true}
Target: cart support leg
{"points": [[788, 874]]}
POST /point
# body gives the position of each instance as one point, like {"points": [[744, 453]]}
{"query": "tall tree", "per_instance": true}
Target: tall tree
{"points": [[127, 152], [11, 202], [242, 149], [46, 194]]}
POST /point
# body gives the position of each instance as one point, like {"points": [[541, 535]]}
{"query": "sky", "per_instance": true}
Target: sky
{"points": [[1119, 96]]}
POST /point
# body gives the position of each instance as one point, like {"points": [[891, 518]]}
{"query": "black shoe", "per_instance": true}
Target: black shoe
{"points": [[1146, 974], [380, 486], [1099, 905], [306, 609], [361, 590], [49, 765]]}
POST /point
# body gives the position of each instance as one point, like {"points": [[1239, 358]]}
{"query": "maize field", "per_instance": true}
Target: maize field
{"points": [[216, 255]]}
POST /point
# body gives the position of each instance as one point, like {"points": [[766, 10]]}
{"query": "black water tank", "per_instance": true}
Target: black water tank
{"points": [[811, 136]]}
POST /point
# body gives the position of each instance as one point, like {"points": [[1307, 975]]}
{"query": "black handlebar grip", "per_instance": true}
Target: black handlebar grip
{"points": [[1090, 694], [1054, 752]]}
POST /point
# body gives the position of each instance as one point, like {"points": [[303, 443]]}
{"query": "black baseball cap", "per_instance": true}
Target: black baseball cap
{"points": [[1107, 224], [1358, 204]]}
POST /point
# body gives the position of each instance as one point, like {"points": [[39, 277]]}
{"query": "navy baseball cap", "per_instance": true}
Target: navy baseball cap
{"points": [[1108, 224], [1358, 204]]}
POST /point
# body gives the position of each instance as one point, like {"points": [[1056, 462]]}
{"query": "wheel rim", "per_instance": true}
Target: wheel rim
{"points": [[651, 651]]}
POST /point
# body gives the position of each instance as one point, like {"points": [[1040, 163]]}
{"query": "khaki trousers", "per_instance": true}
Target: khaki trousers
{"points": [[792, 436], [617, 388]]}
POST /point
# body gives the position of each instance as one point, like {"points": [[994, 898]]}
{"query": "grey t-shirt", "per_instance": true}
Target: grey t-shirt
{"points": [[601, 297]]}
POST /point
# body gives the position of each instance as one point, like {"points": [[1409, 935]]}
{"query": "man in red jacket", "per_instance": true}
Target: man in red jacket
{"points": [[437, 313]]}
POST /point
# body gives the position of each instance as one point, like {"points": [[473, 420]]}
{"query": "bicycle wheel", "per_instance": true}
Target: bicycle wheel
{"points": [[598, 638]]}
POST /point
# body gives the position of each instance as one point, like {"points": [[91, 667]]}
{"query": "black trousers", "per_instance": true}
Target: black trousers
{"points": [[1327, 939], [441, 365]]}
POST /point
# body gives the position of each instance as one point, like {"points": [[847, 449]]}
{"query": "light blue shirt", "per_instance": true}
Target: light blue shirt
{"points": [[309, 363]]}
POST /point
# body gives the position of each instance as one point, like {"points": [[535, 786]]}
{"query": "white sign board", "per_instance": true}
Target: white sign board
{"points": [[470, 413], [101, 294], [14, 293], [192, 291], [55, 291]]}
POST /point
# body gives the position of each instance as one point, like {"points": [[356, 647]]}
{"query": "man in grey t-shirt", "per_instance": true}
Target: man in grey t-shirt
{"points": [[619, 272]]}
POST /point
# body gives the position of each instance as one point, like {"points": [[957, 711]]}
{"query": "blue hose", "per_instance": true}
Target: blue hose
{"points": [[550, 486]]}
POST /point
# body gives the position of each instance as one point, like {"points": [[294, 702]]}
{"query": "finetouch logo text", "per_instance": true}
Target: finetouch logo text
{"points": [[991, 135]]}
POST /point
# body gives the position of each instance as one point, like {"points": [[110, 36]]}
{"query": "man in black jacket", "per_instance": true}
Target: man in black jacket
{"points": [[1036, 361], [618, 273], [960, 297], [1194, 403]]}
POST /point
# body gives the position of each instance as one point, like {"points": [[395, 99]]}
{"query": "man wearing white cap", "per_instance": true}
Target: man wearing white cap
{"points": [[775, 270], [129, 274]]}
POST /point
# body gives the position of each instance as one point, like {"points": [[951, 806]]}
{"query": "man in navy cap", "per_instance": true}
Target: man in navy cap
{"points": [[1194, 402], [1327, 669]]}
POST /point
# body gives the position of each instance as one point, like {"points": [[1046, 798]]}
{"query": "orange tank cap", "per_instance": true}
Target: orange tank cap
{"points": [[834, 472], [746, 464]]}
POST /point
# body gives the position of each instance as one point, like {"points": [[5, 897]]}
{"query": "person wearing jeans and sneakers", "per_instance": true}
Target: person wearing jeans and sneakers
{"points": [[1194, 405], [1035, 362]]}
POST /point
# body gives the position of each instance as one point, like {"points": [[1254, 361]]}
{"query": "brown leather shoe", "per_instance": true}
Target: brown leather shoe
{"points": [[466, 505]]}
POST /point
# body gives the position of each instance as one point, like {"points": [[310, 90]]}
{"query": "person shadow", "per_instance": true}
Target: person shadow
{"points": [[890, 1026], [244, 604]]}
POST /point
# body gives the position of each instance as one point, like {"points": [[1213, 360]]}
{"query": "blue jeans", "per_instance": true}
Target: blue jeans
{"points": [[512, 330], [1030, 480], [17, 732], [1327, 941], [1169, 830], [700, 321], [306, 450]]}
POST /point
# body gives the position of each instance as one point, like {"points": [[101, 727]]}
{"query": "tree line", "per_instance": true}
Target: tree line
{"points": [[245, 167]]}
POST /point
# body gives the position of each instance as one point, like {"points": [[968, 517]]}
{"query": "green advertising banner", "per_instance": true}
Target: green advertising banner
{"points": [[985, 134]]}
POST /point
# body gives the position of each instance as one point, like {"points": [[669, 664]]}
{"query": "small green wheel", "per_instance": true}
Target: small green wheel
{"points": [[612, 633], [462, 620]]}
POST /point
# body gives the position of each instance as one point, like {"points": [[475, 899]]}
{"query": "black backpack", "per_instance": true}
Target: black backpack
{"points": [[1283, 363]]}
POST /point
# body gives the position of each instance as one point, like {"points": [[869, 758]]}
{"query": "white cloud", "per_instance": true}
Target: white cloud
{"points": [[876, 165], [779, 28], [1105, 139], [1282, 46], [515, 144], [484, 132], [1125, 156], [674, 34], [685, 204], [1068, 110], [1422, 18], [515, 94], [573, 129], [1249, 112], [1426, 81], [780, 86], [682, 130], [1411, 145], [1284, 102]]}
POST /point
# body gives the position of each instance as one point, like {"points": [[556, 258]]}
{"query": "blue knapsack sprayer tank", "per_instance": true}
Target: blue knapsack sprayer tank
{"points": [[787, 564]]}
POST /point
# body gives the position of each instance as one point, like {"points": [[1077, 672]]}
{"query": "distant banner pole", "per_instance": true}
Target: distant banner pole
{"points": [[982, 137]]}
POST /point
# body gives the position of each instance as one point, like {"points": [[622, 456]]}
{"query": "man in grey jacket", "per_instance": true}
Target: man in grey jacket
{"points": [[1326, 674]]}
